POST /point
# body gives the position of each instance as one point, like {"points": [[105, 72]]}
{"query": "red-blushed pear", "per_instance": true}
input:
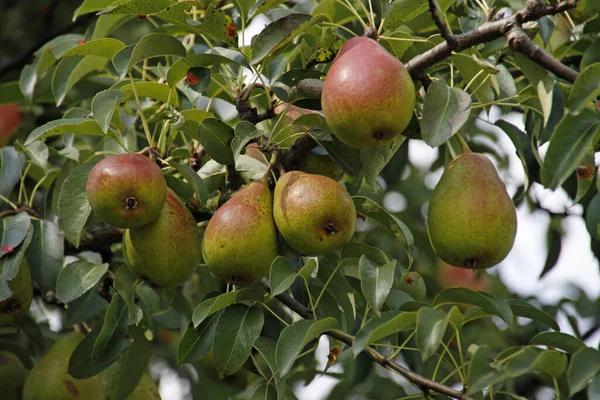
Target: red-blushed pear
{"points": [[368, 96], [10, 121], [18, 303], [471, 220], [166, 251], [450, 276], [126, 190], [49, 379], [240, 241], [313, 213], [12, 376]]}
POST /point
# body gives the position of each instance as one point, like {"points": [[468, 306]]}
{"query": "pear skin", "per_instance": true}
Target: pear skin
{"points": [[166, 251], [22, 293], [145, 390], [12, 376], [321, 164], [368, 95], [240, 241], [49, 380], [314, 214], [472, 221], [126, 190]]}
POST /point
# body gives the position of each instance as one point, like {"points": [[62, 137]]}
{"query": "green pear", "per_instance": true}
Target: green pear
{"points": [[12, 376], [472, 221], [20, 300], [126, 190], [368, 95], [49, 380], [166, 251], [320, 164], [313, 213], [240, 241], [145, 390]]}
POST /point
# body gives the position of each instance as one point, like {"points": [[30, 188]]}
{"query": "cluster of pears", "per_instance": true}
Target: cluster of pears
{"points": [[161, 241], [49, 379], [472, 220], [313, 214], [19, 302], [368, 95]]}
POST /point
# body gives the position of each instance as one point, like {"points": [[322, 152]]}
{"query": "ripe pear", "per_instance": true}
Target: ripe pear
{"points": [[368, 96], [12, 376], [145, 390], [10, 121], [126, 190], [320, 164], [471, 219], [20, 300], [166, 251], [240, 241], [49, 380], [313, 213]]}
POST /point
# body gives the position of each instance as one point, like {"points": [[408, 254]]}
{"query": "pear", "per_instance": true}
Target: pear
{"points": [[145, 390], [368, 95], [320, 164], [49, 380], [313, 213], [12, 376], [126, 190], [471, 219], [166, 251], [240, 241], [20, 300]]}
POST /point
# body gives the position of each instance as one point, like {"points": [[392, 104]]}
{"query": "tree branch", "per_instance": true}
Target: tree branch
{"points": [[436, 15], [423, 383], [297, 151], [485, 33], [519, 41]]}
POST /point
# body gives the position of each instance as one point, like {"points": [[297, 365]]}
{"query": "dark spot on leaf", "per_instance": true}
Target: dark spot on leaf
{"points": [[131, 203], [409, 279], [8, 248], [11, 306], [231, 31], [82, 41], [191, 79], [71, 388], [584, 171], [142, 16]]}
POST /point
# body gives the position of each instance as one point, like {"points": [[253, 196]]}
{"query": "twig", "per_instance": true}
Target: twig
{"points": [[519, 41], [297, 152], [436, 15], [28, 210], [423, 383], [484, 33]]}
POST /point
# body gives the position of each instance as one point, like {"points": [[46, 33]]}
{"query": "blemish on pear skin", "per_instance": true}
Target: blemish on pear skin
{"points": [[71, 388]]}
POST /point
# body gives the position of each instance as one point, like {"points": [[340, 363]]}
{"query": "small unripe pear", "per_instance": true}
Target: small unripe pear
{"points": [[12, 376], [20, 300], [166, 251], [368, 96], [126, 190], [313, 213], [49, 380], [320, 164], [472, 221], [240, 241]]}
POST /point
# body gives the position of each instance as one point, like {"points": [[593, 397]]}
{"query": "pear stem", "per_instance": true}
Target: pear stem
{"points": [[463, 143], [272, 164]]}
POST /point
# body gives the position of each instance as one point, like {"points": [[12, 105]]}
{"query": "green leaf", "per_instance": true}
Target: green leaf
{"points": [[413, 284], [282, 275], [470, 70], [80, 363], [192, 178], [307, 270], [431, 326], [445, 111], [481, 375], [522, 146], [558, 340], [214, 304], [237, 330], [70, 71], [346, 157], [45, 253], [86, 307], [386, 324], [216, 55], [585, 180], [196, 342], [106, 48], [374, 211], [541, 80], [358, 249], [569, 144], [125, 283], [13, 230], [83, 126], [10, 264], [584, 365], [279, 33], [244, 131], [153, 90], [193, 118], [490, 304], [125, 374], [585, 89], [216, 23], [73, 205], [77, 278], [137, 7], [11, 167], [104, 104], [156, 45], [295, 337], [374, 159], [90, 6], [115, 315], [37, 154], [403, 11], [521, 308], [216, 137], [550, 362], [376, 281]]}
